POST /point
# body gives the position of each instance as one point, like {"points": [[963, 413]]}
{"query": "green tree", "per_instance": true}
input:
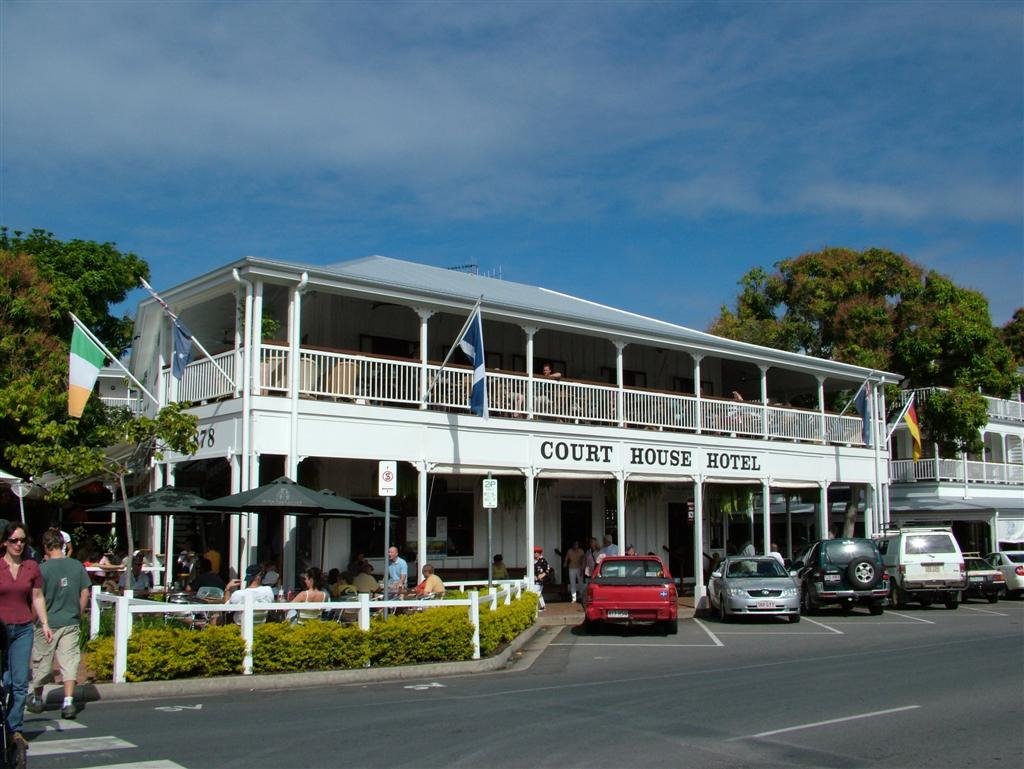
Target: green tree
{"points": [[878, 309], [1013, 335], [41, 280]]}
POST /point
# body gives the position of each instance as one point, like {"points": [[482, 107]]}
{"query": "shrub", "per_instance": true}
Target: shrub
{"points": [[499, 627], [161, 654], [444, 634], [279, 647]]}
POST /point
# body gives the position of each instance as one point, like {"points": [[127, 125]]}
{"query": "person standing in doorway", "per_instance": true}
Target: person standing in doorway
{"points": [[574, 558], [66, 590], [21, 593], [610, 548]]}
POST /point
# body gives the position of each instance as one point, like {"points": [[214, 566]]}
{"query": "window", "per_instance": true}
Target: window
{"points": [[685, 385], [453, 510], [386, 345], [930, 543]]}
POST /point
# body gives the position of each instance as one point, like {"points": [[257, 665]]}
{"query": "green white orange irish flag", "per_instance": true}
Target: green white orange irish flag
{"points": [[84, 367]]}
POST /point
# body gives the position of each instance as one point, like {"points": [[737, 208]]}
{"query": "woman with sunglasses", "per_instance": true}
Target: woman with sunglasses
{"points": [[21, 592]]}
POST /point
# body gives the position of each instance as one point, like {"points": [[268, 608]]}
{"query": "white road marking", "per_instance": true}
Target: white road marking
{"points": [[178, 708], [40, 725], [424, 687], [822, 624], [707, 630], [158, 764], [825, 723], [624, 645], [768, 632], [80, 745], [984, 611], [910, 616]]}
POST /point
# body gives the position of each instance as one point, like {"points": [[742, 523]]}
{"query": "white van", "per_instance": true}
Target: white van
{"points": [[924, 565]]}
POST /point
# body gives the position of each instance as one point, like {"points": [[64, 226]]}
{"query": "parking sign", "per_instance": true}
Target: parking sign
{"points": [[387, 479], [490, 492]]}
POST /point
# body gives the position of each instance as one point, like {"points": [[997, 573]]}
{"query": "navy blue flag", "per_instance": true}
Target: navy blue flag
{"points": [[182, 349], [860, 402], [472, 343]]}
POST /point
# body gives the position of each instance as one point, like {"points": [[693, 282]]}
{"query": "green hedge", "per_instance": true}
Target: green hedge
{"points": [[442, 634]]}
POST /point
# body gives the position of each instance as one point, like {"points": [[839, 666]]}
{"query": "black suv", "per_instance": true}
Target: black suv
{"points": [[843, 572]]}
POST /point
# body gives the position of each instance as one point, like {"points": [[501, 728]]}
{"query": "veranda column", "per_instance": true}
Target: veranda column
{"points": [[424, 378], [169, 566], [292, 459], [529, 331], [421, 514], [619, 399], [698, 416], [764, 406], [155, 523], [234, 521], [529, 473], [766, 512], [823, 531], [821, 410], [620, 511], [698, 541]]}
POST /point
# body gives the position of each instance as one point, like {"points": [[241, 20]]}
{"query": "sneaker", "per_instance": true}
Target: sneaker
{"points": [[34, 704], [69, 711]]}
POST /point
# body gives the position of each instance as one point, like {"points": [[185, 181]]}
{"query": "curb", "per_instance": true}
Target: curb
{"points": [[144, 690]]}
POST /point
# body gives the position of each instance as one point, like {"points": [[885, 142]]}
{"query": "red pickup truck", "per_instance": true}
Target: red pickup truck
{"points": [[629, 589]]}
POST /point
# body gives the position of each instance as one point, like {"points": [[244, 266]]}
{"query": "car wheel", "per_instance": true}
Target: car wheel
{"points": [[862, 573], [897, 597], [672, 627], [723, 614], [993, 597], [876, 608], [806, 604], [794, 618], [925, 601], [589, 627], [952, 600]]}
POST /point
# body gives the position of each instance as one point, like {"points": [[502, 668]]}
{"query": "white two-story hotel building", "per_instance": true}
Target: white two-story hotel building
{"points": [[642, 436]]}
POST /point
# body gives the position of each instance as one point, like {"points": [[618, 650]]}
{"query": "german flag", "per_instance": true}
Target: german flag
{"points": [[915, 430]]}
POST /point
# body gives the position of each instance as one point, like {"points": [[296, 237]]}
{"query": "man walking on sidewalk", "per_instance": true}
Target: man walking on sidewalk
{"points": [[66, 589]]}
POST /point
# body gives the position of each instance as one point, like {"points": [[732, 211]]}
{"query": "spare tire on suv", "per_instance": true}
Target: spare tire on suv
{"points": [[842, 572]]}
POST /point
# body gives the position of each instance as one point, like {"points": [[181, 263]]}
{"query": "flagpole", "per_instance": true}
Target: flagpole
{"points": [[192, 337], [93, 338], [458, 338]]}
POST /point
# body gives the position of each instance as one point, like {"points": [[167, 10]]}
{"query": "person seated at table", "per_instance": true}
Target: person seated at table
{"points": [[431, 584], [313, 592], [135, 578], [343, 587], [498, 568], [206, 576], [236, 591], [365, 582]]}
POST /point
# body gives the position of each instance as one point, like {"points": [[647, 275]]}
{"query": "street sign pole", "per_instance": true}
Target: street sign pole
{"points": [[387, 487], [490, 496]]}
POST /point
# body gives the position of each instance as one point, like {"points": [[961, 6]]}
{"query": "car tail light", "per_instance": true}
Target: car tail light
{"points": [[963, 568], [999, 578], [1019, 571]]}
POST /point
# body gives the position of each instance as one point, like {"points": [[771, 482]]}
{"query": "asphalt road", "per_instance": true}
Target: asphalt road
{"points": [[928, 688]]}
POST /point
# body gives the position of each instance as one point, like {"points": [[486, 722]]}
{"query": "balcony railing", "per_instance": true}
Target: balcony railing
{"points": [[367, 379], [132, 404], [998, 408], [907, 470]]}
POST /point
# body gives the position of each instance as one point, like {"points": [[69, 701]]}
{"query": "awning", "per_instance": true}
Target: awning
{"points": [[445, 469], [658, 478]]}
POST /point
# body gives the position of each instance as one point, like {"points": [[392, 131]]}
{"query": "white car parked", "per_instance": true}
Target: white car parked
{"points": [[1011, 564], [924, 565]]}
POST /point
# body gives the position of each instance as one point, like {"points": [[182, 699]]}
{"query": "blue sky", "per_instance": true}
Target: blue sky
{"points": [[640, 155]]}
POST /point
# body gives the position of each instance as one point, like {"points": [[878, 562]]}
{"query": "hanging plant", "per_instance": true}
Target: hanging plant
{"points": [[511, 492], [728, 502]]}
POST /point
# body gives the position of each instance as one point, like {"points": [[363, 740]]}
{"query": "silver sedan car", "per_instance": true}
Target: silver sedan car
{"points": [[751, 585]]}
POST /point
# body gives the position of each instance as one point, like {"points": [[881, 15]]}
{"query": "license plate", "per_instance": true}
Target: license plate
{"points": [[766, 604], [833, 577], [618, 614], [977, 579], [933, 567]]}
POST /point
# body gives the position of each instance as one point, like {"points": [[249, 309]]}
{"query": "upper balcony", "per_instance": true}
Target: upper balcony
{"points": [[999, 409], [344, 376]]}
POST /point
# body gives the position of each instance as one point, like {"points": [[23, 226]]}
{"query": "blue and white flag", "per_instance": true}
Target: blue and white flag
{"points": [[182, 349], [863, 406], [472, 343]]}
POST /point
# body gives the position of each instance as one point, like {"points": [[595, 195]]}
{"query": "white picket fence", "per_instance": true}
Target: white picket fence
{"points": [[126, 607]]}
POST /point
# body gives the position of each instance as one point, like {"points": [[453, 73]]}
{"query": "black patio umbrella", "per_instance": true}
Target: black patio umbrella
{"points": [[167, 501], [286, 496]]}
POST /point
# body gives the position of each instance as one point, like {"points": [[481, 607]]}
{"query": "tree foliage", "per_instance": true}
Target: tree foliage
{"points": [[878, 309], [1013, 335], [41, 280]]}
